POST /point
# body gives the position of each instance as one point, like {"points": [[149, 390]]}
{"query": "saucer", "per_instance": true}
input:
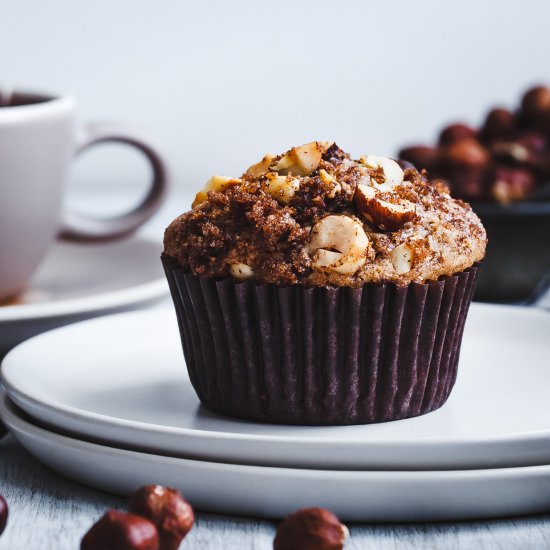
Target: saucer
{"points": [[275, 492], [121, 380], [80, 281]]}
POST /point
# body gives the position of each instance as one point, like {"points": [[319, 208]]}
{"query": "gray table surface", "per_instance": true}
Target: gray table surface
{"points": [[48, 512]]}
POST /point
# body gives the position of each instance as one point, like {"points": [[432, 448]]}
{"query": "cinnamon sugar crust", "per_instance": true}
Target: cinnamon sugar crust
{"points": [[382, 224]]}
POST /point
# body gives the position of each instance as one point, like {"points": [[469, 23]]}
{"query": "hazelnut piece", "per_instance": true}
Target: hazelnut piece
{"points": [[381, 213], [260, 168], [241, 271], [121, 531], [421, 156], [215, 183], [338, 243], [402, 258], [393, 173], [327, 179], [456, 132], [167, 509], [310, 529], [302, 160], [282, 188], [4, 512]]}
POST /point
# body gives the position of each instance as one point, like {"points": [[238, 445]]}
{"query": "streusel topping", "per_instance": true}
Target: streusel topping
{"points": [[313, 216]]}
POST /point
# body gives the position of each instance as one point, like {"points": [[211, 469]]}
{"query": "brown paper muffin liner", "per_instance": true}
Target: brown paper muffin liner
{"points": [[321, 356]]}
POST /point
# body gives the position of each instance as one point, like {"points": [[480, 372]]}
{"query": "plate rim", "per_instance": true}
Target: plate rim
{"points": [[99, 419], [460, 495], [13, 417], [101, 301]]}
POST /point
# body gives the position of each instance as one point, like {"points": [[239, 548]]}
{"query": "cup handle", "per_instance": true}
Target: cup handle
{"points": [[79, 227]]}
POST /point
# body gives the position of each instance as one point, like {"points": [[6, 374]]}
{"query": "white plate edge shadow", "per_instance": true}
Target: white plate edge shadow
{"points": [[243, 490], [148, 291]]}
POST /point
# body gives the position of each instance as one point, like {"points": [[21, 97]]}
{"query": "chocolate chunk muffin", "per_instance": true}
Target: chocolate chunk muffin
{"points": [[317, 289]]}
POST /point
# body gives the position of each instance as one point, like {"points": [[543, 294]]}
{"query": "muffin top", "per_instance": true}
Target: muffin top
{"points": [[313, 216]]}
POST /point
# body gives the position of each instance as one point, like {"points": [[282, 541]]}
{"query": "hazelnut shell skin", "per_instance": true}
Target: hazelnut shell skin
{"points": [[167, 509], [466, 153], [500, 124], [4, 512], [535, 109], [535, 101], [456, 132], [310, 529], [121, 531]]}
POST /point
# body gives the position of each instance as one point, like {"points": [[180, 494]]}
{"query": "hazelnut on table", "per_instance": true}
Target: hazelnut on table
{"points": [[4, 512], [121, 531], [311, 529], [167, 510]]}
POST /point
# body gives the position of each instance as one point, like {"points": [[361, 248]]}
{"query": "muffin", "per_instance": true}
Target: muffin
{"points": [[320, 290]]}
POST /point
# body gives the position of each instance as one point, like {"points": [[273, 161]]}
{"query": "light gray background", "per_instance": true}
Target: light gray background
{"points": [[219, 83]]}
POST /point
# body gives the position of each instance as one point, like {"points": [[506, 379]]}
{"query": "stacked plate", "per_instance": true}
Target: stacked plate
{"points": [[108, 403], [77, 282]]}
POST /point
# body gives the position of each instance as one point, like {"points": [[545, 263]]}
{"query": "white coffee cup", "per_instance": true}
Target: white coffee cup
{"points": [[39, 136]]}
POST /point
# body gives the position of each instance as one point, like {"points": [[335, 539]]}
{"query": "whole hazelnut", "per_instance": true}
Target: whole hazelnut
{"points": [[456, 132], [310, 529], [465, 153], [500, 124], [121, 531], [468, 183], [535, 102], [511, 184], [4, 512], [421, 156], [167, 509]]}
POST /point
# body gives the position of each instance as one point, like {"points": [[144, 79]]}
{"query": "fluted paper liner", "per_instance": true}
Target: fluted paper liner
{"points": [[297, 355]]}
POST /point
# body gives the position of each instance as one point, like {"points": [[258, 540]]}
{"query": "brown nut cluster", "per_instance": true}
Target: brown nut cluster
{"points": [[506, 160], [159, 519], [167, 509], [310, 529], [4, 512]]}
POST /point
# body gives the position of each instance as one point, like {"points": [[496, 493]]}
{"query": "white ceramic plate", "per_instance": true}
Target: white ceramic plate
{"points": [[80, 281], [121, 380], [275, 492]]}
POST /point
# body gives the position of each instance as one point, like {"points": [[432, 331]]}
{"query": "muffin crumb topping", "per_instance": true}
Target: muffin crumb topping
{"points": [[313, 216]]}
